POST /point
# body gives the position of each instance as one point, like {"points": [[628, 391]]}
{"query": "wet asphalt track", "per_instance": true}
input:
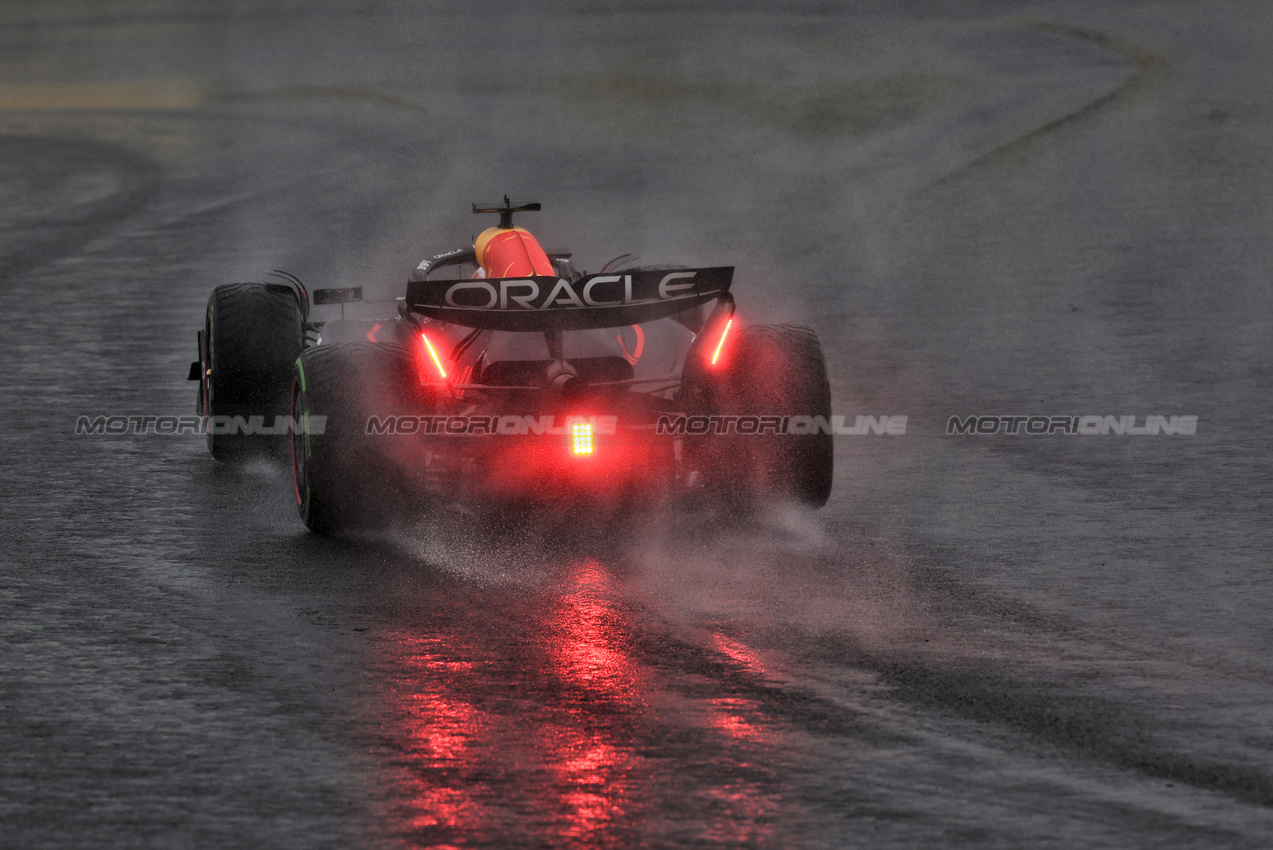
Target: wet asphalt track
{"points": [[1055, 208]]}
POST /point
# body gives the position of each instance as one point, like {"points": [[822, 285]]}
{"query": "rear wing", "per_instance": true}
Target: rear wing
{"points": [[550, 303]]}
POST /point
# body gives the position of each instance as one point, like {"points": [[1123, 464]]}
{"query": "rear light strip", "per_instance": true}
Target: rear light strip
{"points": [[721, 343], [437, 361]]}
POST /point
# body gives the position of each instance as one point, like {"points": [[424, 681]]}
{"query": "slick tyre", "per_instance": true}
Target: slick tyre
{"points": [[773, 372], [253, 333], [349, 476]]}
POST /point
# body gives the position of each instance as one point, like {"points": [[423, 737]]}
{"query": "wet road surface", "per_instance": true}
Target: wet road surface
{"points": [[1059, 209]]}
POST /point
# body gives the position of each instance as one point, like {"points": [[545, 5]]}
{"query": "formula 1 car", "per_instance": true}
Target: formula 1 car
{"points": [[505, 376]]}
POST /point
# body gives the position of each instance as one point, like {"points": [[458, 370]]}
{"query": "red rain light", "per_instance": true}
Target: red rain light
{"points": [[582, 432], [437, 361], [721, 343]]}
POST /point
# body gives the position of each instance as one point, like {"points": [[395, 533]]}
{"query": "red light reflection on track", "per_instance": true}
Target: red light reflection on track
{"points": [[592, 785], [439, 734], [567, 766], [740, 654], [750, 815], [589, 652], [536, 735], [750, 811], [592, 766], [733, 717], [736, 716]]}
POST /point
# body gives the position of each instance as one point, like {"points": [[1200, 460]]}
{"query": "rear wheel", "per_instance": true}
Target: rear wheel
{"points": [[773, 374], [351, 475], [253, 333]]}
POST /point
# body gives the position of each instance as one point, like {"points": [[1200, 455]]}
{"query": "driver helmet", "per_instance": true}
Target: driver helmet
{"points": [[511, 252]]}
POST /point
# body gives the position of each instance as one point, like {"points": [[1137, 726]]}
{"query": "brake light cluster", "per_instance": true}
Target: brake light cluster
{"points": [[582, 434]]}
